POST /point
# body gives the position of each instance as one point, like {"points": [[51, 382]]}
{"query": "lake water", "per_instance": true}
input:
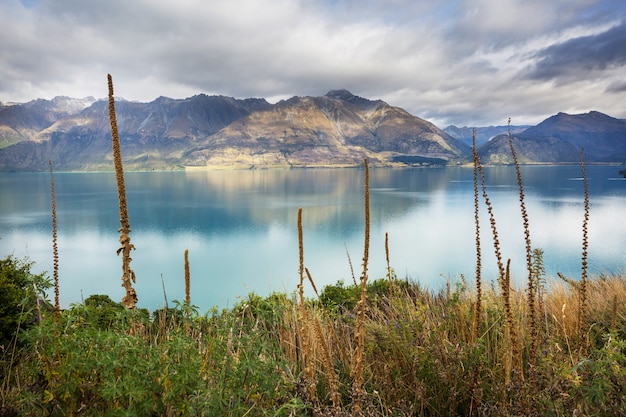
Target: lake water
{"points": [[241, 227]]}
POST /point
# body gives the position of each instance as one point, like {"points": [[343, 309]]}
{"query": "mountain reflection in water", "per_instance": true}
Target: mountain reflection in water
{"points": [[240, 226]]}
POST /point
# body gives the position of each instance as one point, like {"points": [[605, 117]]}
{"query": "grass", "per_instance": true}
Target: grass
{"points": [[420, 356], [384, 347]]}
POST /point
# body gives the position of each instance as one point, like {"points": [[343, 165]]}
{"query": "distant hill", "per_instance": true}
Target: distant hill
{"points": [[338, 129], [153, 135], [19, 122], [561, 137], [483, 134]]}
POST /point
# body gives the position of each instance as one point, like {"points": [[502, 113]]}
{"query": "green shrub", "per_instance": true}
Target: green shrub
{"points": [[600, 380], [20, 291], [102, 311], [339, 298], [99, 358]]}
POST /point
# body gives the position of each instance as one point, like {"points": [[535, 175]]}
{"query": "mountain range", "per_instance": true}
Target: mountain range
{"points": [[483, 134], [562, 138], [337, 129]]}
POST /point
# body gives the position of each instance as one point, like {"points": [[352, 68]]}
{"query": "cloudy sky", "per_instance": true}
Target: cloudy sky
{"points": [[463, 62]]}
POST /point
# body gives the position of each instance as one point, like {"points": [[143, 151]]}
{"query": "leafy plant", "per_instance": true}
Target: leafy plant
{"points": [[20, 293]]}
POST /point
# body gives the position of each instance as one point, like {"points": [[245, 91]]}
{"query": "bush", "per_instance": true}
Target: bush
{"points": [[99, 358], [339, 298], [20, 291]]}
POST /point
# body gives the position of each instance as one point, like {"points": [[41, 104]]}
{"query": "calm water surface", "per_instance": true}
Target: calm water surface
{"points": [[240, 227]]}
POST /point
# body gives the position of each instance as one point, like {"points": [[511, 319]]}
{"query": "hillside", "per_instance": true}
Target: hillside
{"points": [[215, 131], [337, 129], [20, 122], [153, 135], [561, 138]]}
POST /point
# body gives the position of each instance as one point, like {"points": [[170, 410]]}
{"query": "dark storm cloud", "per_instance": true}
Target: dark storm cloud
{"points": [[618, 86], [581, 56]]}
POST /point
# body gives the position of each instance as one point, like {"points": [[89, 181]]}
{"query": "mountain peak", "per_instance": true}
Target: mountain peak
{"points": [[348, 97], [342, 94], [561, 120], [561, 137]]}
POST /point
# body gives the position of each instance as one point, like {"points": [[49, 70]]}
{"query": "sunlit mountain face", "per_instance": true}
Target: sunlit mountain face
{"points": [[338, 129]]}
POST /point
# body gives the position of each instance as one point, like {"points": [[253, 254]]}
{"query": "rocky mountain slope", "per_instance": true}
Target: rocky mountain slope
{"points": [[561, 138], [337, 129], [154, 135], [19, 122]]}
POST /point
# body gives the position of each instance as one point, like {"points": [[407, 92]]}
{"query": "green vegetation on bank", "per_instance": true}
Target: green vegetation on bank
{"points": [[421, 355]]}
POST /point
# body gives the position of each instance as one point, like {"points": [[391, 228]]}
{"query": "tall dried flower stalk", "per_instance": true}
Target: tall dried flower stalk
{"points": [[582, 289], [358, 391], [532, 308], [187, 279], [504, 274], [306, 354], [55, 249], [128, 275], [350, 264], [300, 258], [308, 274], [509, 341], [387, 257], [476, 325], [539, 272], [492, 221], [478, 307], [164, 293]]}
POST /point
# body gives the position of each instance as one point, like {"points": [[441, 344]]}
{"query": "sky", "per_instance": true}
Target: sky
{"points": [[461, 62]]}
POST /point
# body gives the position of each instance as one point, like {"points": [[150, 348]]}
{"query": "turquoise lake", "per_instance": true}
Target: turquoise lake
{"points": [[241, 227]]}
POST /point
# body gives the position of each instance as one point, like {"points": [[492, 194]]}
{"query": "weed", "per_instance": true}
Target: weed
{"points": [[187, 279], [128, 275], [582, 308], [478, 305], [55, 249]]}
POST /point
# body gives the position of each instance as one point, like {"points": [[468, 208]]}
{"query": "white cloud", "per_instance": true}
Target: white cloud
{"points": [[456, 62]]}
